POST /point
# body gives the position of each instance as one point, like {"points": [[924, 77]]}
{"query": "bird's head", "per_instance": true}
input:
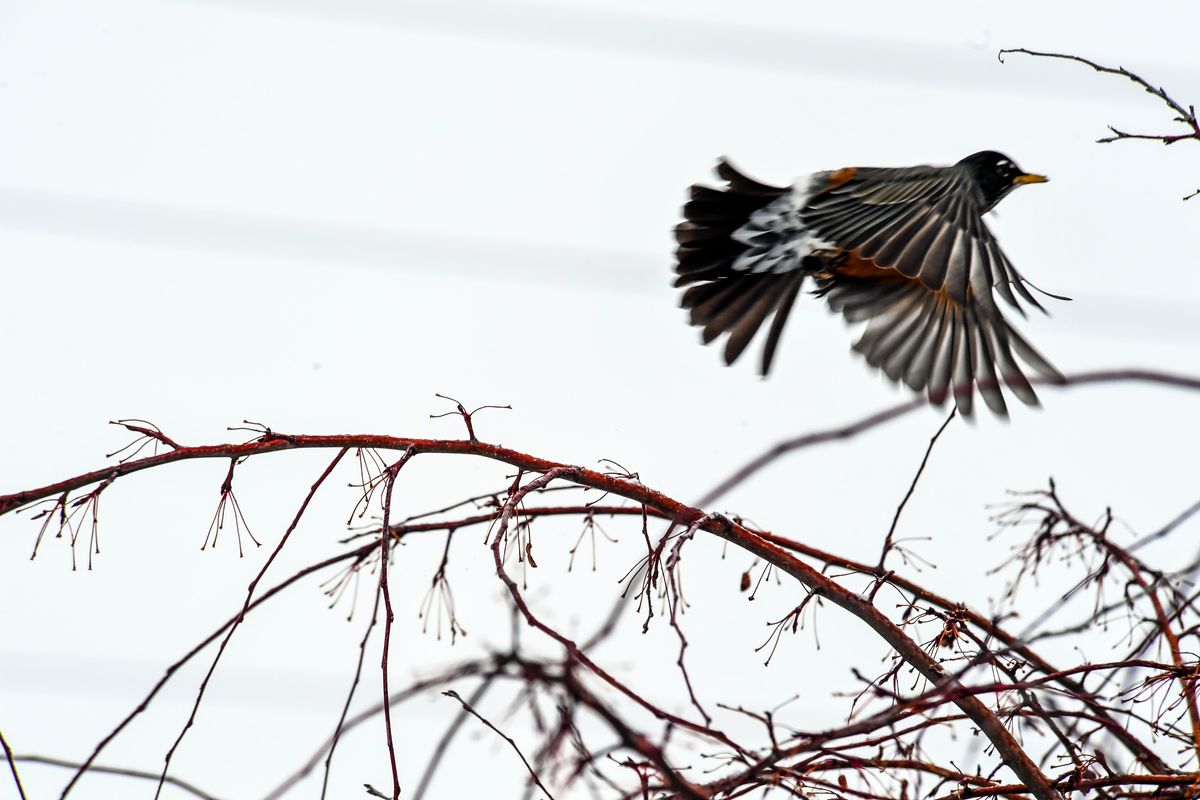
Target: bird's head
{"points": [[997, 175]]}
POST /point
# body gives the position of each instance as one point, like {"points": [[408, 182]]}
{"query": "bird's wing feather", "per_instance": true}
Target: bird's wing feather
{"points": [[929, 341], [924, 222]]}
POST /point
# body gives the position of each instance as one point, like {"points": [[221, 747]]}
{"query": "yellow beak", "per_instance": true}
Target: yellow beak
{"points": [[1023, 179]]}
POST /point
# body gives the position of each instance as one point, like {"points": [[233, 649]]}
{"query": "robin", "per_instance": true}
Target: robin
{"points": [[903, 249]]}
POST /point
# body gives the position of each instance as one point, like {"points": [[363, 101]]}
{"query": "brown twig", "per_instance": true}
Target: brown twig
{"points": [[240, 617], [1186, 116], [12, 766], [443, 745], [777, 451], [228, 500], [147, 432], [467, 416], [532, 774], [205, 642], [887, 542], [1160, 781], [341, 723], [1183, 115], [385, 545], [183, 785], [417, 689]]}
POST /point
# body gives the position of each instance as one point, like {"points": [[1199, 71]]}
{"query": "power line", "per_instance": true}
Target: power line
{"points": [[318, 241], [969, 67], [588, 268]]}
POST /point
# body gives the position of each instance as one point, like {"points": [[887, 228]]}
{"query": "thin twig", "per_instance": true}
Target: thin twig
{"points": [[241, 616], [467, 416], [887, 542], [1185, 116], [362, 654], [780, 449], [174, 668], [443, 745], [385, 543], [12, 766], [417, 689], [1168, 529], [532, 774], [128, 773]]}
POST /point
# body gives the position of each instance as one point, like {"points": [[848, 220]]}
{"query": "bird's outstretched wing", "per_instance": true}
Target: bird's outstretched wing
{"points": [[924, 222], [919, 266]]}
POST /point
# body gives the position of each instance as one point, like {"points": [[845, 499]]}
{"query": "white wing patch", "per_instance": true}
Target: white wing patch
{"points": [[775, 236]]}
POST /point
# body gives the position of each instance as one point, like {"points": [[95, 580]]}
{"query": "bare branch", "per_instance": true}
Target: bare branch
{"points": [[341, 723], [417, 689], [532, 774], [777, 451], [1186, 116], [8, 756], [887, 542], [468, 417], [183, 785], [385, 545]]}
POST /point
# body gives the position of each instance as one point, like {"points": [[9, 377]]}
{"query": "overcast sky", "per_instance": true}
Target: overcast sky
{"points": [[318, 215]]}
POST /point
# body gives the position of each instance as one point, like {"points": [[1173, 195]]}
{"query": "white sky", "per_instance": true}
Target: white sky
{"points": [[317, 215]]}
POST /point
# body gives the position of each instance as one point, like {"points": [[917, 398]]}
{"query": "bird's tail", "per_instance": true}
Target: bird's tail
{"points": [[721, 297]]}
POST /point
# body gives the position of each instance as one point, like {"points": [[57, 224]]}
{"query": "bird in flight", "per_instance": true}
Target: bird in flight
{"points": [[904, 250]]}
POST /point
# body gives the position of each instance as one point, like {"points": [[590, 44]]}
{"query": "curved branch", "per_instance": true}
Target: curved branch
{"points": [[277, 442], [761, 545]]}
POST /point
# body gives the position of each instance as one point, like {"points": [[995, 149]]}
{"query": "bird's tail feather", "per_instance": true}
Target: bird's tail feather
{"points": [[720, 298]]}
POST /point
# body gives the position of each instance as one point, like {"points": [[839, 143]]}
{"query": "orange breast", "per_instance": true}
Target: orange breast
{"points": [[852, 265], [855, 266]]}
